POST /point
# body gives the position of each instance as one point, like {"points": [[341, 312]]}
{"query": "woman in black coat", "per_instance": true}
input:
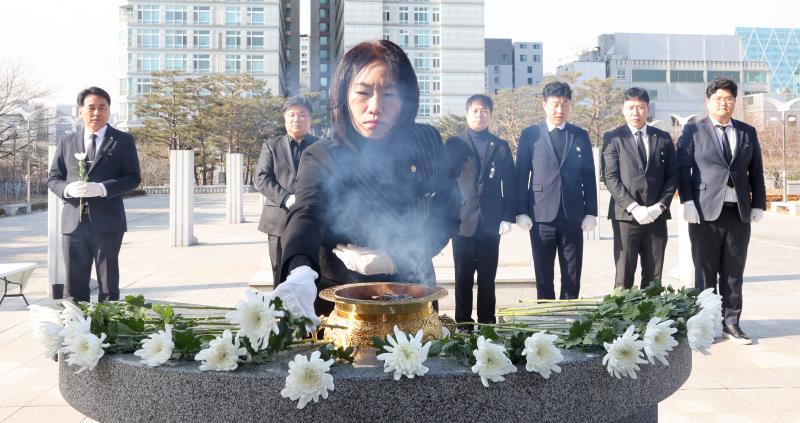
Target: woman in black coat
{"points": [[375, 200]]}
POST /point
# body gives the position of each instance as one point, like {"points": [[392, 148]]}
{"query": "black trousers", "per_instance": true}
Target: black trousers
{"points": [[565, 238], [631, 241], [275, 253], [719, 252], [85, 246], [478, 253]]}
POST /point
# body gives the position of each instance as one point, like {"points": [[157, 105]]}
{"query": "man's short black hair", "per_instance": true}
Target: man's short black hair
{"points": [[86, 92], [556, 89], [636, 93], [484, 99], [297, 101], [722, 83]]}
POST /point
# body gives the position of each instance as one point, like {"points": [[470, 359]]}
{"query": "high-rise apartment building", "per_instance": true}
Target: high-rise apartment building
{"points": [[443, 40], [201, 37], [528, 65], [779, 48], [304, 57]]}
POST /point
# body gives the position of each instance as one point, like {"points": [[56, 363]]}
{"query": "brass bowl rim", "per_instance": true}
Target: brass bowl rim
{"points": [[330, 294]]}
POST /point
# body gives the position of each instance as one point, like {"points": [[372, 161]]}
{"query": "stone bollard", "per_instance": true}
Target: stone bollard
{"points": [[56, 267], [181, 198], [233, 188]]}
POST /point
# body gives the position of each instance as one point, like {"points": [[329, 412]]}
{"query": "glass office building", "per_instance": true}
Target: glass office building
{"points": [[779, 48]]}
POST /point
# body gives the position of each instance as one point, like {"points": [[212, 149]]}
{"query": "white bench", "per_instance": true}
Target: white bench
{"points": [[790, 206], [16, 274], [13, 209]]}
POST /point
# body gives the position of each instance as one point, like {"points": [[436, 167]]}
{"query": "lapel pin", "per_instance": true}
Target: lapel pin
{"points": [[413, 168]]}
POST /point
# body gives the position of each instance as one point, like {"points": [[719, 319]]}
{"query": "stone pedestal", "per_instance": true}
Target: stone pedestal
{"points": [[121, 389], [56, 267], [181, 198], [234, 210]]}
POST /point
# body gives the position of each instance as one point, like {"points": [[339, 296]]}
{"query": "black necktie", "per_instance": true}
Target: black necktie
{"points": [[726, 151], [92, 148], [559, 139], [640, 147]]}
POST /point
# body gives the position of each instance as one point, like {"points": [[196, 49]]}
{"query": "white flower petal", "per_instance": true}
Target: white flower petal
{"points": [[308, 379], [407, 356], [222, 354], [257, 318], [156, 348], [624, 354], [491, 362], [85, 351], [541, 354]]}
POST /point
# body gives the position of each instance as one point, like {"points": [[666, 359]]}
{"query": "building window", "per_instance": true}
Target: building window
{"points": [[175, 15], [621, 74], [505, 56], [147, 38], [202, 63], [734, 75], [323, 82], [422, 39], [232, 63], [424, 82], [255, 15], [147, 14], [537, 58], [685, 76], [143, 86], [176, 38], [147, 62], [323, 41], [124, 86], [323, 26], [176, 62], [437, 108], [530, 69], [496, 79], [536, 46], [387, 15], [648, 75], [436, 61], [403, 14], [437, 38], [255, 63], [323, 13], [496, 68], [255, 40], [755, 77], [202, 15], [523, 46], [422, 61], [233, 16], [530, 81], [420, 15], [323, 54], [523, 57], [424, 107], [387, 34], [202, 39], [233, 40], [435, 14], [653, 94], [403, 38]]}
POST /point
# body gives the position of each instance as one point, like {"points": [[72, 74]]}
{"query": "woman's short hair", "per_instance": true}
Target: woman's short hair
{"points": [[354, 61]]}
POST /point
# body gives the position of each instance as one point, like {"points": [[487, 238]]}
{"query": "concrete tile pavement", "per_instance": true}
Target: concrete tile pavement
{"points": [[735, 383]]}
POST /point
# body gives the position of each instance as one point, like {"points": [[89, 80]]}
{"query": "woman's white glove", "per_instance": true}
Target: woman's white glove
{"points": [[298, 293], [365, 260]]}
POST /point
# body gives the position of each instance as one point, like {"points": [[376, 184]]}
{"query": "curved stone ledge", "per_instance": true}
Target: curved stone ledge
{"points": [[120, 389]]}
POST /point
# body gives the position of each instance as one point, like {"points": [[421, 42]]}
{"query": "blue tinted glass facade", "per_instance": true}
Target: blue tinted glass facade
{"points": [[779, 48]]}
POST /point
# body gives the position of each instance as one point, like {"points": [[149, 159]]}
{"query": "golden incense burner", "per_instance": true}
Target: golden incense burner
{"points": [[373, 309]]}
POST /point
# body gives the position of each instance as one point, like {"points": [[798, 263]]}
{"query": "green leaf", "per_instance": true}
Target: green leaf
{"points": [[135, 300], [488, 332]]}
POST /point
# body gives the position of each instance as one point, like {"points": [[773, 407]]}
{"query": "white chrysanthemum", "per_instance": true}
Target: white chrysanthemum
{"points": [[308, 379], [624, 354], [700, 331], [406, 355], [541, 354], [256, 317], [712, 303], [71, 312], [85, 351], [47, 326], [77, 326], [222, 353], [492, 362], [80, 156], [156, 348], [658, 340]]}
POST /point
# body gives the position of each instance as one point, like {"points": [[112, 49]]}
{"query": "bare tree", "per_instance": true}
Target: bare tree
{"points": [[450, 125], [17, 92], [597, 107]]}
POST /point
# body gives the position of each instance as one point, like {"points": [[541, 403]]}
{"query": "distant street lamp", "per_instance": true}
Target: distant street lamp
{"points": [[783, 107]]}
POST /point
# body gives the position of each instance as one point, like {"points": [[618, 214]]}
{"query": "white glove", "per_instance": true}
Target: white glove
{"points": [[75, 189], [298, 293], [756, 215], [94, 189], [655, 211], [524, 222], [642, 215], [505, 227], [364, 260], [690, 212], [289, 202], [589, 223]]}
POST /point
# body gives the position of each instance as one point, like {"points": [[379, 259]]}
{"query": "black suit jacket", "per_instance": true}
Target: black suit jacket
{"points": [[704, 173], [543, 184], [116, 166], [396, 196], [275, 179], [487, 194], [629, 180]]}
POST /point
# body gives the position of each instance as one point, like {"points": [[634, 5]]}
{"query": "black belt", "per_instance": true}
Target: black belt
{"points": [[730, 205]]}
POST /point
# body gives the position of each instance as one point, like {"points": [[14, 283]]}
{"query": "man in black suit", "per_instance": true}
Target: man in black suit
{"points": [[556, 187], [276, 173], [93, 221], [722, 190], [484, 168], [641, 174]]}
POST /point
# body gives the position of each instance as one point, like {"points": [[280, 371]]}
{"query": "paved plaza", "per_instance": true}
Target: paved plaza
{"points": [[756, 383]]}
